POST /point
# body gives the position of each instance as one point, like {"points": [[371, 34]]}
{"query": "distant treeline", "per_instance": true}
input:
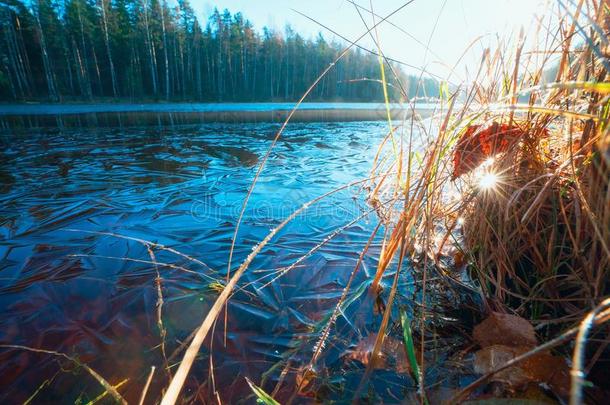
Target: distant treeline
{"points": [[149, 50]]}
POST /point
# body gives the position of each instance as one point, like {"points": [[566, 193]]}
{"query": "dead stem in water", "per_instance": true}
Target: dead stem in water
{"points": [[159, 305], [526, 148], [107, 386], [177, 382]]}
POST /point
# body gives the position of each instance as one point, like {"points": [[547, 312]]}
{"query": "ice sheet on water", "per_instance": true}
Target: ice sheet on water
{"points": [[181, 187]]}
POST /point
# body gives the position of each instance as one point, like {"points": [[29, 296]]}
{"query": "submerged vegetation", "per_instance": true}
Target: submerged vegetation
{"points": [[506, 204], [490, 250]]}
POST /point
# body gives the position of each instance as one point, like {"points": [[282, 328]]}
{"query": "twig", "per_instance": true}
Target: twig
{"points": [[147, 385], [129, 259], [177, 382], [115, 394], [162, 330], [145, 243]]}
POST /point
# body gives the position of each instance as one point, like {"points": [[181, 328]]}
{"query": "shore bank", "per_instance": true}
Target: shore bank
{"points": [[106, 115]]}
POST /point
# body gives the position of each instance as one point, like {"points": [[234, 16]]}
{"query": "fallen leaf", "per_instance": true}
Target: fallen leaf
{"points": [[493, 357], [539, 368], [459, 259], [508, 401], [304, 379], [477, 144], [552, 370], [391, 356], [505, 329]]}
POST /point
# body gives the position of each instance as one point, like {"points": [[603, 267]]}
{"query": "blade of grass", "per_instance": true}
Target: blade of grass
{"points": [[103, 394], [109, 388], [261, 395], [410, 349], [171, 396]]}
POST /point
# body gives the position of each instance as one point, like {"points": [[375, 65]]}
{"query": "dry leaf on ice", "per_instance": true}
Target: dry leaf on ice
{"points": [[505, 329]]}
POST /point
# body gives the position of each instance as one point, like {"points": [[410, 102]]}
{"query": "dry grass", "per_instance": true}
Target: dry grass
{"points": [[511, 177], [539, 239]]}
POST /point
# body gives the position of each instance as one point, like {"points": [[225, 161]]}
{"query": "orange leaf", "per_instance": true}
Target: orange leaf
{"points": [[476, 145]]}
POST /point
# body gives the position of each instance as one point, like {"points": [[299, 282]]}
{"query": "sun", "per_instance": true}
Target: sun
{"points": [[488, 181]]}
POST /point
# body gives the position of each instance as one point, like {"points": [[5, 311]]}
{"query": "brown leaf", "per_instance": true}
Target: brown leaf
{"points": [[477, 144], [493, 357], [304, 379], [467, 154], [505, 329], [459, 259], [391, 356], [539, 368], [532, 396], [553, 370]]}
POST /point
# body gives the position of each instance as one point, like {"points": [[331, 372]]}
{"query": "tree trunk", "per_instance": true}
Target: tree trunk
{"points": [[107, 41], [18, 79], [86, 77], [46, 62], [97, 70], [151, 50], [167, 88]]}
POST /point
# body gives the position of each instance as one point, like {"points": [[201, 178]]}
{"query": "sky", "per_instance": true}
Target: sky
{"points": [[449, 26]]}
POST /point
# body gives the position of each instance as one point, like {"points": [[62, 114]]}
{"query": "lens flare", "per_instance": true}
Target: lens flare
{"points": [[488, 181]]}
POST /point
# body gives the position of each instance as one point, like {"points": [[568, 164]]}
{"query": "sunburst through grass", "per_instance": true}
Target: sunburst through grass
{"points": [[501, 201]]}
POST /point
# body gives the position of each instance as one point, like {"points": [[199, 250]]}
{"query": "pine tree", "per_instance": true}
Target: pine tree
{"points": [[146, 49]]}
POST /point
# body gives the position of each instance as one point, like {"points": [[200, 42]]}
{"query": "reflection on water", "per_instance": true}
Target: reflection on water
{"points": [[71, 281], [54, 109], [117, 115]]}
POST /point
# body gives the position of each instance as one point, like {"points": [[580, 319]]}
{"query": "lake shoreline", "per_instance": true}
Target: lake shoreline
{"points": [[69, 115]]}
